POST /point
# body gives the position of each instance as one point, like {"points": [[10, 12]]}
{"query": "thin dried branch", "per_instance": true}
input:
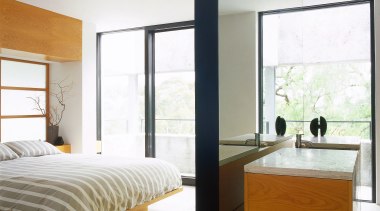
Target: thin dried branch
{"points": [[282, 95], [37, 101], [56, 112]]}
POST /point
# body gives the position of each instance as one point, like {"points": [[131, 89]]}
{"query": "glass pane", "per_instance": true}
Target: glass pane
{"points": [[16, 102], [317, 63], [175, 99], [23, 129], [20, 74], [123, 85]]}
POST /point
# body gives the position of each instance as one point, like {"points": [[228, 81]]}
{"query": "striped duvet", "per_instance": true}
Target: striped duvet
{"points": [[83, 182]]}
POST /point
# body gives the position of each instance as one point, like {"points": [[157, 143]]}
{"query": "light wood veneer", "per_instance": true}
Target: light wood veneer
{"points": [[66, 148], [29, 29], [282, 193], [144, 207]]}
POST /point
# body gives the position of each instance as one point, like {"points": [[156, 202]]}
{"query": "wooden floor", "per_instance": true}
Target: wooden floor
{"points": [[183, 201]]}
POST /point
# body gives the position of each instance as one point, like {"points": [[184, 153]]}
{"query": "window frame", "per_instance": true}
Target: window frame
{"points": [[373, 65], [150, 32], [16, 88]]}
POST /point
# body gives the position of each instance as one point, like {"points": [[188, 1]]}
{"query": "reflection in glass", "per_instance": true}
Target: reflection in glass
{"points": [[20, 74], [23, 129]]}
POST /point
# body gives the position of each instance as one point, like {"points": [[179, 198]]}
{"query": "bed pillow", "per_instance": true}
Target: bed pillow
{"points": [[6, 153], [32, 148]]}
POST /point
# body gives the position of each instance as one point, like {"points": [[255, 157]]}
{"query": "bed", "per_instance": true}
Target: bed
{"points": [[85, 182]]}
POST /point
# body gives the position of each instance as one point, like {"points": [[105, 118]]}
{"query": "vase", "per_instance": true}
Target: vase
{"points": [[52, 133]]}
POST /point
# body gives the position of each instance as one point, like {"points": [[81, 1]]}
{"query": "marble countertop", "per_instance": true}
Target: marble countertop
{"points": [[266, 139], [335, 142], [229, 153], [318, 163]]}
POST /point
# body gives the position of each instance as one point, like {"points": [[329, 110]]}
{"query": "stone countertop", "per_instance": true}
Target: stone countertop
{"points": [[266, 139], [335, 142], [229, 154], [303, 162]]}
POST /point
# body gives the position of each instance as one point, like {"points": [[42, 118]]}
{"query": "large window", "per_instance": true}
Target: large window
{"points": [[122, 92], [21, 84], [317, 62], [175, 98], [147, 94]]}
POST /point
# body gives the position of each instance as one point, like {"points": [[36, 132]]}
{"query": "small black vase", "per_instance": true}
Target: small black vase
{"points": [[52, 134]]}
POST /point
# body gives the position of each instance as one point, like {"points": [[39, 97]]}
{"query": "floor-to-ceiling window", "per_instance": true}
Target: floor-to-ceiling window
{"points": [[316, 61], [122, 82], [146, 94], [174, 98]]}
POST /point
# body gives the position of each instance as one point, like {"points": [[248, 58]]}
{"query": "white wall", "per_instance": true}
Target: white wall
{"points": [[89, 88], [377, 77], [237, 88], [70, 127], [78, 126]]}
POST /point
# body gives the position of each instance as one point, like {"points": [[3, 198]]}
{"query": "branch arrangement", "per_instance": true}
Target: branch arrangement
{"points": [[56, 112]]}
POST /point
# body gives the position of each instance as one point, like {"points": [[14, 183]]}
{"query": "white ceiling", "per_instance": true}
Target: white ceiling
{"points": [[120, 14], [239, 6]]}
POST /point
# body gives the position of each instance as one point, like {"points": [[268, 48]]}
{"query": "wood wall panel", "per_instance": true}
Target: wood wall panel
{"points": [[26, 28], [283, 193]]}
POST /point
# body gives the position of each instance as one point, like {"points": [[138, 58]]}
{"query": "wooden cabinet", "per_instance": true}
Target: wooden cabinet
{"points": [[66, 148], [275, 192], [231, 178], [301, 179]]}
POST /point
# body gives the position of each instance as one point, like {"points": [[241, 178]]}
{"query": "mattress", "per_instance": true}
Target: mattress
{"points": [[83, 182]]}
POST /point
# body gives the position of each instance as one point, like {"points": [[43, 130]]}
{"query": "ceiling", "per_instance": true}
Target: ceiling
{"points": [[239, 6], [120, 14]]}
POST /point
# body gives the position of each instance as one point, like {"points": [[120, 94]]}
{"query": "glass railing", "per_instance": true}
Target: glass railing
{"points": [[358, 128]]}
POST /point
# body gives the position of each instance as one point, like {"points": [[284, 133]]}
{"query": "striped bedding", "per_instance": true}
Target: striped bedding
{"points": [[83, 182]]}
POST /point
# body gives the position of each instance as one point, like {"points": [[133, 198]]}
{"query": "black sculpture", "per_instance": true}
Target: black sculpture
{"points": [[315, 126], [280, 126], [59, 141]]}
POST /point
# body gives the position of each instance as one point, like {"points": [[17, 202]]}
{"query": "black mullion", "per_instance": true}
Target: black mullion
{"points": [[156, 28], [373, 98], [260, 72], [98, 88], [171, 26], [150, 150]]}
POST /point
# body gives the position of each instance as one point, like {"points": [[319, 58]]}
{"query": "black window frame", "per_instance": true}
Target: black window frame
{"points": [[373, 65], [150, 32]]}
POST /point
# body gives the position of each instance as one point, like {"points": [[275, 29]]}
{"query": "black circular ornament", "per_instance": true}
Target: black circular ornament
{"points": [[280, 126]]}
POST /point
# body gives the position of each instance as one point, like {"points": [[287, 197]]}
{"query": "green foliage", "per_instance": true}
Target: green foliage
{"points": [[175, 106], [337, 91]]}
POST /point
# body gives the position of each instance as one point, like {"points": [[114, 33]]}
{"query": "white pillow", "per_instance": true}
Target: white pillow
{"points": [[6, 153], [32, 148]]}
